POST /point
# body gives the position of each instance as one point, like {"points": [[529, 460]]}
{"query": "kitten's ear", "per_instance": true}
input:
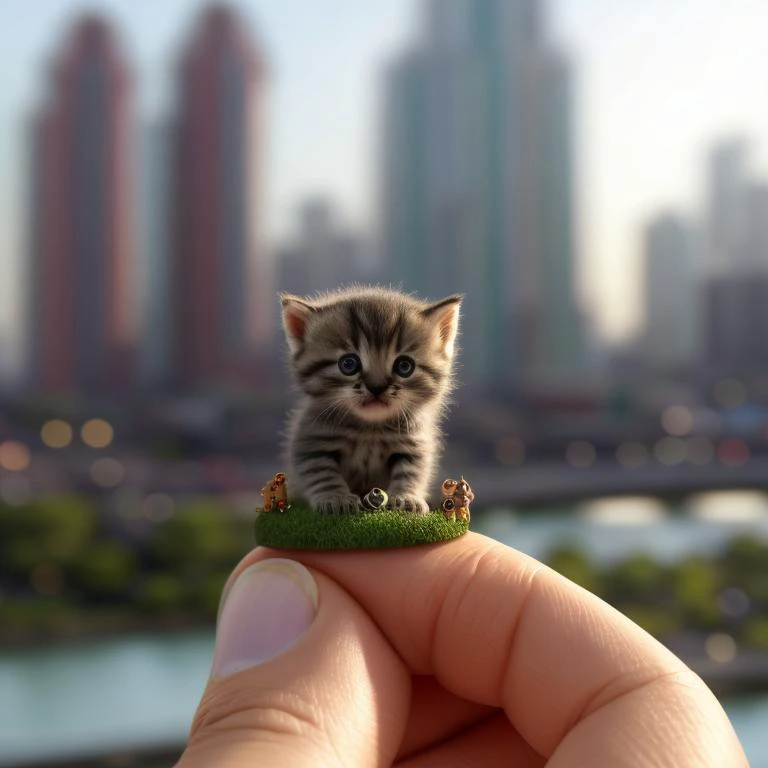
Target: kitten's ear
{"points": [[296, 312], [445, 315]]}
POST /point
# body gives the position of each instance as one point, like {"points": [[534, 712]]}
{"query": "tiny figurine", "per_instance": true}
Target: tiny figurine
{"points": [[275, 493], [375, 500], [449, 508], [457, 497], [463, 498], [449, 505]]}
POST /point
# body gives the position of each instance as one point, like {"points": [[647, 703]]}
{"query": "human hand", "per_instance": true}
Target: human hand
{"points": [[462, 654]]}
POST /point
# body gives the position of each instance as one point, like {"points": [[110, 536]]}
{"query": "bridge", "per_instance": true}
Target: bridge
{"points": [[535, 483], [551, 483]]}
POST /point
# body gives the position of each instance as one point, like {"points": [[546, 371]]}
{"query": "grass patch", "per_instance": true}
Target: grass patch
{"points": [[301, 528]]}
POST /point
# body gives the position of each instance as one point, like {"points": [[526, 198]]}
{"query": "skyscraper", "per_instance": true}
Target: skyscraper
{"points": [[726, 210], [222, 298], [734, 290], [477, 183], [736, 325], [671, 311], [756, 235], [81, 272], [558, 344], [154, 209]]}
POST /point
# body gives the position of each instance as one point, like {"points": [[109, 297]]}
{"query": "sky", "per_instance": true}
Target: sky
{"points": [[657, 82]]}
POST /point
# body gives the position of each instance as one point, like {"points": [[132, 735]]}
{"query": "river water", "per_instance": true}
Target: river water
{"points": [[143, 690]]}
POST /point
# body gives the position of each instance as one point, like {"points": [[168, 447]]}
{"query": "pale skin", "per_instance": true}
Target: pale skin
{"points": [[462, 654]]}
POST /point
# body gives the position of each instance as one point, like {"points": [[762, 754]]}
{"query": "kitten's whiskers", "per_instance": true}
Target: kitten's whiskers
{"points": [[409, 420], [329, 411]]}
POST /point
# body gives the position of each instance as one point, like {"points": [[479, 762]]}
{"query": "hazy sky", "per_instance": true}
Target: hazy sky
{"points": [[657, 81]]}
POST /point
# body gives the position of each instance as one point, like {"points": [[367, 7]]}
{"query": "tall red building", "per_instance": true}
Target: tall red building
{"points": [[81, 314], [222, 298]]}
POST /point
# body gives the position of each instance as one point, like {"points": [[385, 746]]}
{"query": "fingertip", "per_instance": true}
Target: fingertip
{"points": [[268, 608], [300, 672]]}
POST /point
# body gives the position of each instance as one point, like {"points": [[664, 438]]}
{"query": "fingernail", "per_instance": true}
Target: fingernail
{"points": [[269, 607]]}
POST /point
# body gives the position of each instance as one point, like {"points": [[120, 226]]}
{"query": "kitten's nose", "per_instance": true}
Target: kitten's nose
{"points": [[378, 388]]}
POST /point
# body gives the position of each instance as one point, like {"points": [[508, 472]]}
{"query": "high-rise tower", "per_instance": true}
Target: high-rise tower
{"points": [[670, 288], [81, 311], [477, 184], [222, 298], [726, 207]]}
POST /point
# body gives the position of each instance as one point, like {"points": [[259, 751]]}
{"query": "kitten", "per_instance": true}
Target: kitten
{"points": [[374, 368]]}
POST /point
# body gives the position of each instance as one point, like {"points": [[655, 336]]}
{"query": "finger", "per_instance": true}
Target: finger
{"points": [[301, 678], [666, 723], [493, 743], [437, 714], [531, 641]]}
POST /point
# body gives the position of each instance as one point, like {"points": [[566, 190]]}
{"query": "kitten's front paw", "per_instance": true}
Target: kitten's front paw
{"points": [[337, 504], [416, 505]]}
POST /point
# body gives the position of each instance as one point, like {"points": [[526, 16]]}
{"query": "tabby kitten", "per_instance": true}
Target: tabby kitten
{"points": [[374, 368]]}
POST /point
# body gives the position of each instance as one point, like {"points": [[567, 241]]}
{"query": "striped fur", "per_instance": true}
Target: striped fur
{"points": [[379, 425]]}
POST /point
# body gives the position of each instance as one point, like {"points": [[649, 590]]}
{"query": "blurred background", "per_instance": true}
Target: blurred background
{"points": [[593, 175]]}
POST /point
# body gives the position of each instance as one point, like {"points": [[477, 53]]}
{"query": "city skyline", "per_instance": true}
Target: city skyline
{"points": [[706, 95], [706, 275], [194, 311]]}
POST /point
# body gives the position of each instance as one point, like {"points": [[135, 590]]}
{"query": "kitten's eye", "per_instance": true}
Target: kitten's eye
{"points": [[404, 366], [349, 364]]}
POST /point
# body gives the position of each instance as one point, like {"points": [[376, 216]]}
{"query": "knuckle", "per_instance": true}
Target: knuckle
{"points": [[276, 716]]}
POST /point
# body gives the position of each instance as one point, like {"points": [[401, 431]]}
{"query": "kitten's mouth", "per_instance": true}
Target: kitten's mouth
{"points": [[375, 402], [374, 408]]}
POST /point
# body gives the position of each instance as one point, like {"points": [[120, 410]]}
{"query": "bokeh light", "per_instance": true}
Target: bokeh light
{"points": [[158, 507], [677, 420], [97, 433], [721, 647], [734, 602], [732, 452], [730, 507], [15, 490], [14, 456], [622, 510], [126, 502], [107, 472], [56, 433]]}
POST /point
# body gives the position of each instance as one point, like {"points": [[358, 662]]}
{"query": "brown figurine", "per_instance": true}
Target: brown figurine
{"points": [[275, 493], [457, 498], [449, 505], [463, 497]]}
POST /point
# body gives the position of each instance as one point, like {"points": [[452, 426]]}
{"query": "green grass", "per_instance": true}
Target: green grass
{"points": [[301, 528]]}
